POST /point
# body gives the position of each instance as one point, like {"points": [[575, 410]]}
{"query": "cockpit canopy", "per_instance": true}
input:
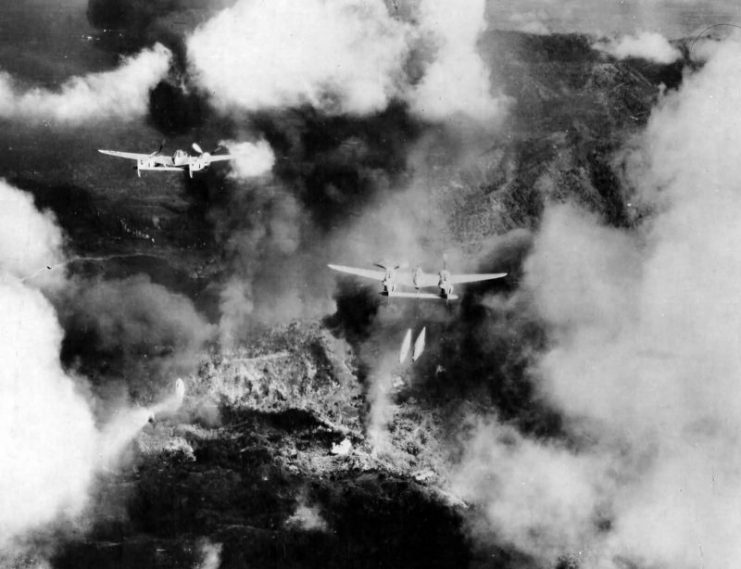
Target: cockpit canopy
{"points": [[180, 157]]}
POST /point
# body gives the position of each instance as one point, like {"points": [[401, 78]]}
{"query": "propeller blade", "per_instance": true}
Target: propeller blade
{"points": [[197, 148], [162, 145]]}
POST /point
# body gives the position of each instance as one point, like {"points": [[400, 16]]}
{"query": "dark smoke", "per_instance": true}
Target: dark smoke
{"points": [[132, 329], [337, 164]]}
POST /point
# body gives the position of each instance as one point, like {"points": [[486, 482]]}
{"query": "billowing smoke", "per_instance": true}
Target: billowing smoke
{"points": [[457, 81], [148, 329], [650, 46], [119, 94], [346, 57], [30, 241], [642, 360], [249, 158], [261, 228], [52, 447], [337, 56], [47, 429]]}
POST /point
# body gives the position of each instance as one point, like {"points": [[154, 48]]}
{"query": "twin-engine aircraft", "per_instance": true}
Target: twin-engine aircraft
{"points": [[393, 276], [178, 162]]}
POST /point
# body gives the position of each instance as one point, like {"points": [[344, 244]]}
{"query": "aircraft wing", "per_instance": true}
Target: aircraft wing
{"points": [[219, 157], [420, 295], [365, 273], [459, 279], [129, 155]]}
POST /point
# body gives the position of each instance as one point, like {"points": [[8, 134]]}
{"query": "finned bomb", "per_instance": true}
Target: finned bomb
{"points": [[419, 345], [405, 345]]}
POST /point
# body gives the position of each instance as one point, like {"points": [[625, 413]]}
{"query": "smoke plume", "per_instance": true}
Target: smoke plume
{"points": [[47, 429], [336, 56], [119, 94], [143, 325], [642, 360], [346, 57], [650, 46], [52, 446], [30, 241], [457, 81]]}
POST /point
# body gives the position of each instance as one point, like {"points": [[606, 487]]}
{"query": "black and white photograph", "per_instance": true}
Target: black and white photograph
{"points": [[370, 284]]}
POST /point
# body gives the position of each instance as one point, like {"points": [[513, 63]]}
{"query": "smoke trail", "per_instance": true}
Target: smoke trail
{"points": [[643, 360], [381, 406], [119, 94]]}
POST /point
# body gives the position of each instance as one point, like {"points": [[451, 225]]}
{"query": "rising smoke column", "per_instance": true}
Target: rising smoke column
{"points": [[644, 332], [119, 94], [457, 81]]}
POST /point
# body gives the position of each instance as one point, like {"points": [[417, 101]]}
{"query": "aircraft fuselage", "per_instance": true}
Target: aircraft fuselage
{"points": [[389, 282], [444, 284], [180, 160]]}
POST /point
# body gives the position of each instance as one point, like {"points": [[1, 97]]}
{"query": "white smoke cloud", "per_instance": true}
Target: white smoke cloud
{"points": [[29, 241], [47, 431], [250, 158], [339, 56], [650, 46], [51, 446], [381, 406], [210, 555], [457, 81], [345, 56], [538, 498], [644, 360], [118, 94]]}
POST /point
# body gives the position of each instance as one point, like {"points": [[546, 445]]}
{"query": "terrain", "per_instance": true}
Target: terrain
{"points": [[271, 461]]}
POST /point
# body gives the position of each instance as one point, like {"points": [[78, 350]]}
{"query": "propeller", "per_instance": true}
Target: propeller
{"points": [[404, 265], [162, 145]]}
